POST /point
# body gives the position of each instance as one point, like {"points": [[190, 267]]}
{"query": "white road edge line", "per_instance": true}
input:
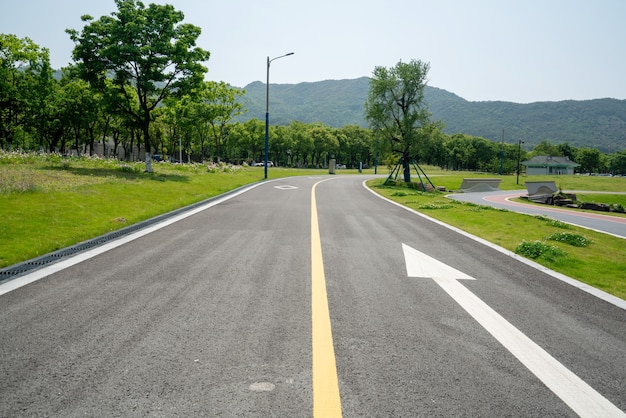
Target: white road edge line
{"points": [[614, 300], [79, 258]]}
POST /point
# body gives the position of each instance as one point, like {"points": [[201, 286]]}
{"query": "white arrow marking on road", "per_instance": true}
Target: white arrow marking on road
{"points": [[577, 394], [419, 264]]}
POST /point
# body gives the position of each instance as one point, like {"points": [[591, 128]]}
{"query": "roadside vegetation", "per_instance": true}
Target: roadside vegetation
{"points": [[49, 202]]}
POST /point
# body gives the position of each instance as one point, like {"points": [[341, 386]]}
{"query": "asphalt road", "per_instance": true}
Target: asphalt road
{"points": [[224, 313], [502, 199]]}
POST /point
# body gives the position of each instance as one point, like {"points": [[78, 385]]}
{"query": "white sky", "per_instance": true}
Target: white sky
{"points": [[513, 50]]}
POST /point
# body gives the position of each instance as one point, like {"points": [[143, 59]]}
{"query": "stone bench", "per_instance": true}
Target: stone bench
{"points": [[480, 185], [541, 187]]}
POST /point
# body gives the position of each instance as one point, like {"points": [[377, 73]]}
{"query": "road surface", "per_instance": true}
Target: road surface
{"points": [[306, 297]]}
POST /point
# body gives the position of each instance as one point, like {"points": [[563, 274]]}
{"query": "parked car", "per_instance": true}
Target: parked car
{"points": [[262, 164], [340, 166], [159, 157]]}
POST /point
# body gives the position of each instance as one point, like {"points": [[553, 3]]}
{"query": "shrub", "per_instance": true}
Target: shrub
{"points": [[536, 249], [571, 239], [617, 207], [126, 168]]}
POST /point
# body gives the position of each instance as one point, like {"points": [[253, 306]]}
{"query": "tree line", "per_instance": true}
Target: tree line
{"points": [[143, 92]]}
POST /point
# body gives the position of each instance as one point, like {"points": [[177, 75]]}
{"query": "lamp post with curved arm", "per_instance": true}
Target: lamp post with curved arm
{"points": [[519, 157], [267, 109]]}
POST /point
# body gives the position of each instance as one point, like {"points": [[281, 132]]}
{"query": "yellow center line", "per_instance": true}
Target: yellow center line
{"points": [[326, 400]]}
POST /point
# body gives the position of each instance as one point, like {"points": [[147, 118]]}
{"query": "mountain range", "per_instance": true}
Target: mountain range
{"points": [[598, 123]]}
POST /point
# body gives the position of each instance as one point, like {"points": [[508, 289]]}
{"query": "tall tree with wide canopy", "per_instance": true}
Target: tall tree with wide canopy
{"points": [[396, 110], [145, 49]]}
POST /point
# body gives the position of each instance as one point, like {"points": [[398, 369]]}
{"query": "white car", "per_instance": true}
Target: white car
{"points": [[262, 164]]}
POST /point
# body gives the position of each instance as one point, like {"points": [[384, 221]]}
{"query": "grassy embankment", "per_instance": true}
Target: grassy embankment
{"points": [[48, 203]]}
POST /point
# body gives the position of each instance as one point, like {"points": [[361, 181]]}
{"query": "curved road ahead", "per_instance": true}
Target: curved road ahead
{"points": [[502, 199], [305, 297]]}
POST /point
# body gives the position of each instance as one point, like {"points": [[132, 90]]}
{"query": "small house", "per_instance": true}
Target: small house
{"points": [[549, 165]]}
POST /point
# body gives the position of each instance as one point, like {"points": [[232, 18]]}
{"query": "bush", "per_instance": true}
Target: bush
{"points": [[536, 249], [126, 168], [571, 239], [618, 208]]}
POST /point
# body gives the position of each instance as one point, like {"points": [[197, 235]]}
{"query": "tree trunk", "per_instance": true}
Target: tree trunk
{"points": [[407, 168], [148, 163], [146, 140]]}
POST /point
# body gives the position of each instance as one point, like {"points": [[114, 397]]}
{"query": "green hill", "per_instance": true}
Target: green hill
{"points": [[599, 123]]}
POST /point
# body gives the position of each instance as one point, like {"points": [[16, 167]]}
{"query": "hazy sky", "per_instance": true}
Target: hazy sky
{"points": [[513, 50]]}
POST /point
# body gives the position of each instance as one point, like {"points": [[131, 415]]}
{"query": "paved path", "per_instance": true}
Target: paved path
{"points": [[612, 225]]}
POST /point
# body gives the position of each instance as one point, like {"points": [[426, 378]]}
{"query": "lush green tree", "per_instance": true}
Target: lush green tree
{"points": [[589, 160], [253, 141], [459, 152], [617, 162], [355, 145], [303, 143], [78, 107], [547, 148], [395, 107], [146, 49], [566, 150], [179, 121], [280, 145], [26, 85], [324, 143], [236, 143], [219, 103], [433, 150]]}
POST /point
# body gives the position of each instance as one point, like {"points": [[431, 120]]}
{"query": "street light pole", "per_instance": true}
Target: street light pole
{"points": [[267, 109], [519, 156]]}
